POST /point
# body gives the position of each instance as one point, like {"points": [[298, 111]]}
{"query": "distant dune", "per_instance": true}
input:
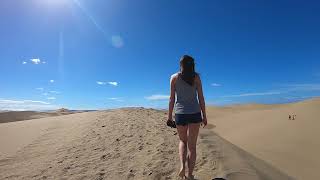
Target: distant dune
{"points": [[266, 132], [243, 142], [11, 116]]}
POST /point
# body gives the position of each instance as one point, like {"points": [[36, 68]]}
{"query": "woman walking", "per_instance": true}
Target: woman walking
{"points": [[187, 101]]}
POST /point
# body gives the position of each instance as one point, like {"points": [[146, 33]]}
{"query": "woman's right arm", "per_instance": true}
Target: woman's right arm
{"points": [[172, 96]]}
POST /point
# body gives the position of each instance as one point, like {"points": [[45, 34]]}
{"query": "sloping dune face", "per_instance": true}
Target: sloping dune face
{"points": [[131, 143], [266, 132]]}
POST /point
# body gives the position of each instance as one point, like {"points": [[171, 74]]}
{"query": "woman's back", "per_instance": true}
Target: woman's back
{"points": [[187, 100]]}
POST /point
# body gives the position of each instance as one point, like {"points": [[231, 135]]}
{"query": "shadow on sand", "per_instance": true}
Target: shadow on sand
{"points": [[234, 163]]}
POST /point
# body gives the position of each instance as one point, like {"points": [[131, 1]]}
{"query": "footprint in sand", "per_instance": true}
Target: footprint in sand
{"points": [[210, 126], [103, 157], [100, 176]]}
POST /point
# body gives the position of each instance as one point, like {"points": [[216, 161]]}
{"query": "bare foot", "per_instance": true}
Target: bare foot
{"points": [[190, 177], [182, 173]]}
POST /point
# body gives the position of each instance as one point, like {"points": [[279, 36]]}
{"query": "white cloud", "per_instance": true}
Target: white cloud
{"points": [[4, 101], [50, 93], [44, 62], [51, 81], [118, 99], [51, 98], [101, 83], [24, 62], [113, 83], [215, 84], [40, 89], [23, 105], [35, 61], [32, 101], [117, 41], [54, 92], [254, 94], [113, 98], [157, 97]]}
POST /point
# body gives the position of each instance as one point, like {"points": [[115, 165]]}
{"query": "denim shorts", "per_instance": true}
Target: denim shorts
{"points": [[184, 119]]}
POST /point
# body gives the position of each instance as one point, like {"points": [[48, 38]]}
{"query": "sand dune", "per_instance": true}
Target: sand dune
{"points": [[265, 132], [130, 143], [12, 116]]}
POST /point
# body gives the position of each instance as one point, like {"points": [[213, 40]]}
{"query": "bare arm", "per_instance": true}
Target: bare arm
{"points": [[201, 100], [172, 96]]}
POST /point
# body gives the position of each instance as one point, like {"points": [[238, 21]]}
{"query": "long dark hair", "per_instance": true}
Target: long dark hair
{"points": [[187, 69]]}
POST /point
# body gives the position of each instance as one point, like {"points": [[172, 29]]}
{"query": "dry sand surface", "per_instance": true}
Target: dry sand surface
{"points": [[266, 132], [131, 143]]}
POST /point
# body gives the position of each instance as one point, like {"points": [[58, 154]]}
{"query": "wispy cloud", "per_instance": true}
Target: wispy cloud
{"points": [[3, 101], [101, 83], [215, 84], [51, 98], [156, 97], [118, 99], [35, 61], [51, 81], [113, 98], [40, 89], [254, 94], [54, 92], [22, 105], [113, 83], [48, 92]]}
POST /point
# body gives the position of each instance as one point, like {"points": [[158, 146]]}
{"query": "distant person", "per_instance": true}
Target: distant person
{"points": [[289, 117], [189, 111]]}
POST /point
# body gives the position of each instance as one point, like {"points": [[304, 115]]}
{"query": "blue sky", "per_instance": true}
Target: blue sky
{"points": [[98, 54]]}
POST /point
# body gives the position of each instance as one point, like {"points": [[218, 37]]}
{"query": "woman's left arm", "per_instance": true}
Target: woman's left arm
{"points": [[201, 100]]}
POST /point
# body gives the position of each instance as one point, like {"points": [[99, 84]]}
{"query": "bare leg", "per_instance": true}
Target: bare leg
{"points": [[192, 142], [183, 136]]}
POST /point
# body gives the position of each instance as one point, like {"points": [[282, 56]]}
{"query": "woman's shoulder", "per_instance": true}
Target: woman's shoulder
{"points": [[197, 78], [175, 75]]}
